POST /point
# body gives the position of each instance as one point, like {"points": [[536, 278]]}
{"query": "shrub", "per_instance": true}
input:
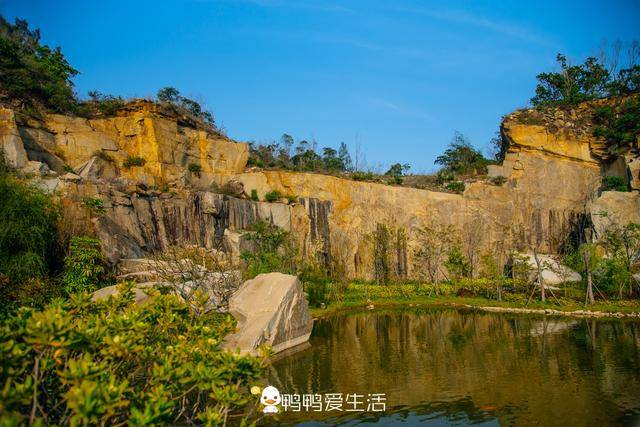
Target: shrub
{"points": [[272, 196], [456, 187], [99, 104], [444, 176], [33, 72], [254, 195], [171, 97], [619, 127], [572, 85], [497, 180], [363, 176], [272, 250], [131, 161], [94, 204], [316, 292], [194, 168], [614, 183], [116, 362], [457, 265], [461, 158], [395, 172], [28, 233], [292, 198], [84, 267]]}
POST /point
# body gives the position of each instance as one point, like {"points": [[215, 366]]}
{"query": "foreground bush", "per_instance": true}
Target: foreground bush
{"points": [[29, 249], [113, 362]]}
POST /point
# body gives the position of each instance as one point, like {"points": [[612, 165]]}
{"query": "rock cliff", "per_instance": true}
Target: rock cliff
{"points": [[553, 170]]}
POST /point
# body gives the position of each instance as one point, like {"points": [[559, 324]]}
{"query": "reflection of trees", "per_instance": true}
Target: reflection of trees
{"points": [[529, 368]]}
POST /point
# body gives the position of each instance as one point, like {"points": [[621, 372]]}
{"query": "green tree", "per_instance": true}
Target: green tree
{"points": [[396, 171], [572, 84], [31, 72], [84, 267], [345, 157], [461, 158]]}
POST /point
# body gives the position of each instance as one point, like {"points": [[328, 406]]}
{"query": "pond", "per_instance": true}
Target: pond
{"points": [[437, 366]]}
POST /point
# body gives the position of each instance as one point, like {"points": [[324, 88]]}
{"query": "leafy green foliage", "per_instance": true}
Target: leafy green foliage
{"points": [[461, 158], [94, 204], [303, 157], [115, 362], [498, 180], [457, 265], [254, 195], [269, 254], [131, 161], [171, 96], [84, 267], [572, 84], [456, 187], [194, 168], [396, 171], [615, 183], [99, 104], [272, 196], [620, 127], [32, 72], [28, 234], [585, 82]]}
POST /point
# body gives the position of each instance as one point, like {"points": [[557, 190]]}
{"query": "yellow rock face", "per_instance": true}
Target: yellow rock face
{"points": [[167, 148]]}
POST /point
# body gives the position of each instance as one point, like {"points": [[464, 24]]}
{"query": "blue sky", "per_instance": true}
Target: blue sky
{"points": [[398, 76]]}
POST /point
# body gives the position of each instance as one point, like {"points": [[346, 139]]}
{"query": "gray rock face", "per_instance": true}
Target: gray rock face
{"points": [[271, 310]]}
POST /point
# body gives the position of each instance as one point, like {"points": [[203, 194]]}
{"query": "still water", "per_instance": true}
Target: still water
{"points": [[446, 366]]}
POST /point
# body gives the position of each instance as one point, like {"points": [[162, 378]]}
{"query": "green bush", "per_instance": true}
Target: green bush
{"points": [[316, 292], [94, 204], [363, 176], [84, 267], [573, 84], [254, 195], [33, 72], [456, 187], [462, 158], [271, 250], [29, 247], [99, 104], [444, 176], [614, 183], [620, 127], [131, 161], [272, 196], [194, 168], [115, 362], [457, 265], [498, 180]]}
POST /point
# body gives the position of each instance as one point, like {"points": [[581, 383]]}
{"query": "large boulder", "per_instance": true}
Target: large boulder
{"points": [[553, 273], [271, 310]]}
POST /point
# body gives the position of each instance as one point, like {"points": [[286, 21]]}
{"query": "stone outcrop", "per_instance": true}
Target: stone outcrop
{"points": [[553, 168], [553, 273], [271, 311]]}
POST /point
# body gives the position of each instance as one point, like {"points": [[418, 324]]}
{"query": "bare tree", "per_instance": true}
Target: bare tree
{"points": [[434, 245], [205, 279]]}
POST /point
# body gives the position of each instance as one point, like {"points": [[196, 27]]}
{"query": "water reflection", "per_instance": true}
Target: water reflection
{"points": [[461, 367]]}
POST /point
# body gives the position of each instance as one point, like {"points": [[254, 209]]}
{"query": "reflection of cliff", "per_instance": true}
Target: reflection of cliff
{"points": [[588, 373], [174, 194]]}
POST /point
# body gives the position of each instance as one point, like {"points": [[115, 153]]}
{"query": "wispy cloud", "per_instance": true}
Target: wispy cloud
{"points": [[313, 5], [466, 18], [400, 109]]}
